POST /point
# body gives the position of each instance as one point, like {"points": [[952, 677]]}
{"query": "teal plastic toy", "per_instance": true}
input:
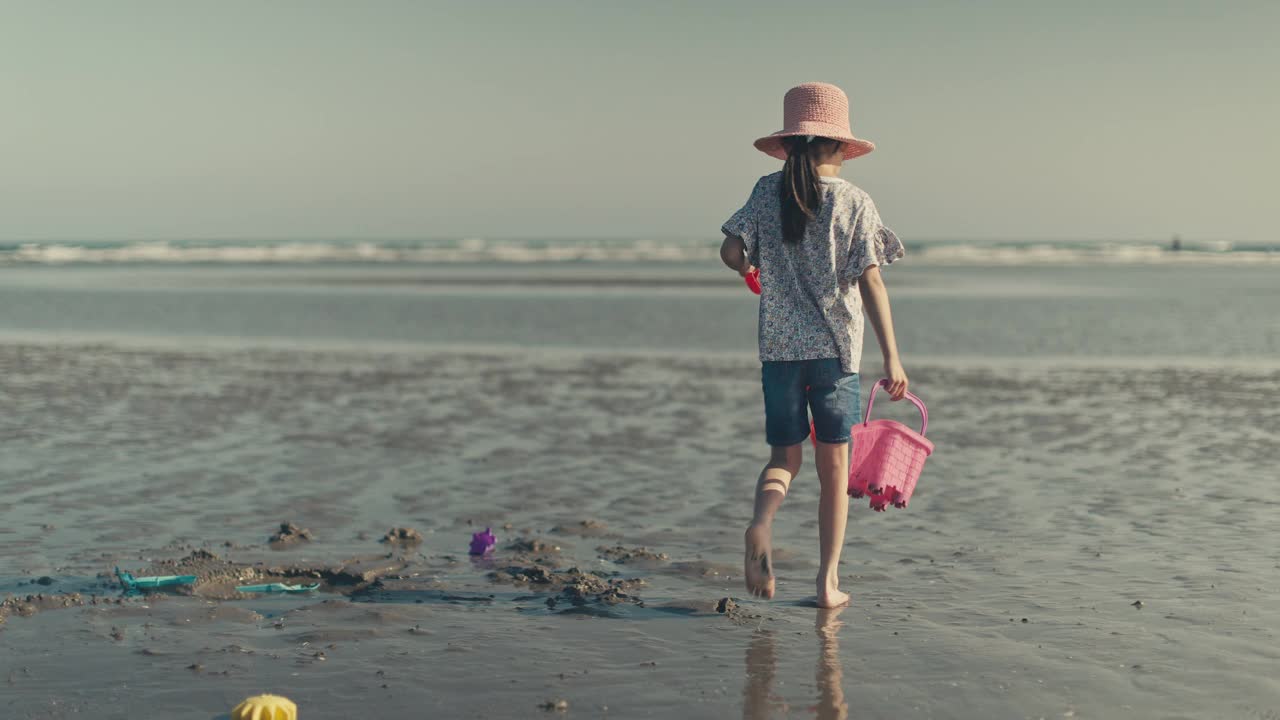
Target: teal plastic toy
{"points": [[129, 582], [277, 588]]}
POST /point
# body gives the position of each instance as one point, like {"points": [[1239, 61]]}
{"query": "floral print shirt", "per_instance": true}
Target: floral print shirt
{"points": [[810, 307]]}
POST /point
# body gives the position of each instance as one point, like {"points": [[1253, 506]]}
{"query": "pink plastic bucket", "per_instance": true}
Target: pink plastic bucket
{"points": [[887, 456]]}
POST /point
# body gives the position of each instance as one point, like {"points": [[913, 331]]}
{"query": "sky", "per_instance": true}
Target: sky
{"points": [[284, 119]]}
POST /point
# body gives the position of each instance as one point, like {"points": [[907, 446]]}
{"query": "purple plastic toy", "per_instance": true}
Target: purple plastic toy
{"points": [[482, 542]]}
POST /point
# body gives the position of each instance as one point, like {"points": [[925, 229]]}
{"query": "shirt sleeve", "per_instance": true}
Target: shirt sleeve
{"points": [[871, 243], [743, 224]]}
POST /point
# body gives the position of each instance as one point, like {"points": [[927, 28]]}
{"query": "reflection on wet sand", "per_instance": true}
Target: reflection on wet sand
{"points": [[760, 702], [758, 699], [828, 673]]}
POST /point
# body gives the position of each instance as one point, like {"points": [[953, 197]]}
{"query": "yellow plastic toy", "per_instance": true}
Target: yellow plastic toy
{"points": [[265, 707]]}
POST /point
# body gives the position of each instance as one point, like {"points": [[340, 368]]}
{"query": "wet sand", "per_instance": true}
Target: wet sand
{"points": [[1088, 541]]}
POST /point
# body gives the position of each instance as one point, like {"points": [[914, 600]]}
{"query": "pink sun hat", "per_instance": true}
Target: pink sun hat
{"points": [[819, 109]]}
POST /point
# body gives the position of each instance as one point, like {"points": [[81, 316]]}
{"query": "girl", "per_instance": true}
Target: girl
{"points": [[819, 245]]}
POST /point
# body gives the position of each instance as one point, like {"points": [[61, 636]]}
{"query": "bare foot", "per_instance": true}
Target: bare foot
{"points": [[757, 563], [831, 598]]}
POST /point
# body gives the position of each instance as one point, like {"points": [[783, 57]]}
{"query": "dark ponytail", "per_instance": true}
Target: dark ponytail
{"points": [[801, 190]]}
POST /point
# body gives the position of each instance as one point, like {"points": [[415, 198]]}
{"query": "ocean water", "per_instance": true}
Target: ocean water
{"points": [[556, 250], [1090, 538], [995, 300]]}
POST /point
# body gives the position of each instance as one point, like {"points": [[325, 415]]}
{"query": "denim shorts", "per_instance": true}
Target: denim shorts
{"points": [[793, 388]]}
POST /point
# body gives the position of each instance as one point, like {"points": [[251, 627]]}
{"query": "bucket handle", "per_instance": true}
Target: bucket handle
{"points": [[884, 382]]}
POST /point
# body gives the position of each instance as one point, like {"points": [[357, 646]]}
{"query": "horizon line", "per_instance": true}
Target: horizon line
{"points": [[1164, 240]]}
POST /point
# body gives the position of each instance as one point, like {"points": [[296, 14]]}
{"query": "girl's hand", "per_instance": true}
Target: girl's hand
{"points": [[746, 269], [897, 376], [733, 253]]}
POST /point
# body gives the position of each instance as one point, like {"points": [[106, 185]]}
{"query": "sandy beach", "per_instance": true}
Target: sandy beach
{"points": [[1086, 544], [403, 359]]}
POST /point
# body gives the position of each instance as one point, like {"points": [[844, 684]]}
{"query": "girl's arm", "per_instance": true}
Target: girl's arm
{"points": [[733, 253], [876, 299]]}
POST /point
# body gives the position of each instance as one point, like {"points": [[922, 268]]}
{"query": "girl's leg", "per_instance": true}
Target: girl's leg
{"points": [[833, 399], [771, 487], [833, 511]]}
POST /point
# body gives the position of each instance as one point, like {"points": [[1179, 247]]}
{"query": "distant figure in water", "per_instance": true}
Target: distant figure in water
{"points": [[1176, 244], [819, 245]]}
